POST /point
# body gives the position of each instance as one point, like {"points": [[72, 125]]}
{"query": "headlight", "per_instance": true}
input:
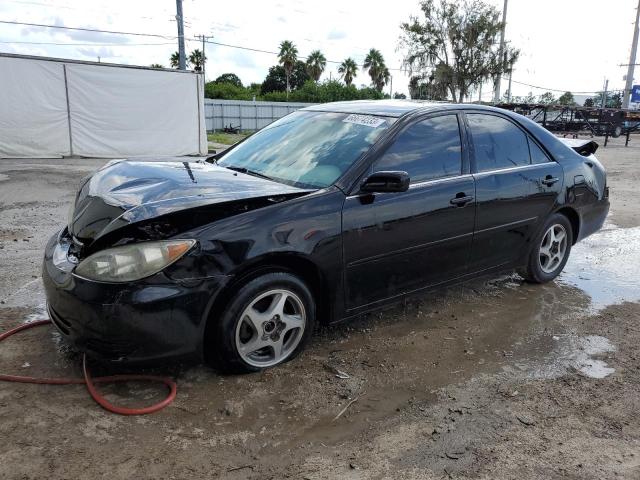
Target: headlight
{"points": [[132, 262]]}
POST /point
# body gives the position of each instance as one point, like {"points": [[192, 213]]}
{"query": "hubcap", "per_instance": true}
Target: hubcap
{"points": [[270, 328], [553, 248]]}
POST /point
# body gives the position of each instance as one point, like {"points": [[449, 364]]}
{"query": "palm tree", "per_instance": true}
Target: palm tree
{"points": [[348, 70], [174, 60], [383, 79], [197, 59], [378, 71], [287, 57], [316, 62]]}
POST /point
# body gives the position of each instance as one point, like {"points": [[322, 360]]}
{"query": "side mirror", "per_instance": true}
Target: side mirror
{"points": [[380, 182]]}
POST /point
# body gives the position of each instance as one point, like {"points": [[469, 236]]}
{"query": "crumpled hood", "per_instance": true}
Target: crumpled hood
{"points": [[127, 192]]}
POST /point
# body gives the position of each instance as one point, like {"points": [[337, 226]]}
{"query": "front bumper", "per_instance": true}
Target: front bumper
{"points": [[151, 319]]}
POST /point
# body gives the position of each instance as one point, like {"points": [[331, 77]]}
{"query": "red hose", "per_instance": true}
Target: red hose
{"points": [[89, 382]]}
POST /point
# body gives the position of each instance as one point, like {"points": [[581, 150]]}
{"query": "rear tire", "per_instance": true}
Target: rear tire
{"points": [[268, 322], [550, 251]]}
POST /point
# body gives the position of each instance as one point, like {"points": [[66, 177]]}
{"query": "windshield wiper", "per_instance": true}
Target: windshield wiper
{"points": [[248, 172]]}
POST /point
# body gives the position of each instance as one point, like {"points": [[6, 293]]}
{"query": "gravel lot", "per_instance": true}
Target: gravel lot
{"points": [[493, 379]]}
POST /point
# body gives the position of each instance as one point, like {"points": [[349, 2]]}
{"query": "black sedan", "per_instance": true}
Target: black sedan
{"points": [[329, 212]]}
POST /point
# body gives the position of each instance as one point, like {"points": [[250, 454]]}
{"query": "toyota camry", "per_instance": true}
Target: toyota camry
{"points": [[329, 212]]}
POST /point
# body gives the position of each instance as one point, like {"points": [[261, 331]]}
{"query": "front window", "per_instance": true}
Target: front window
{"points": [[426, 150], [307, 149]]}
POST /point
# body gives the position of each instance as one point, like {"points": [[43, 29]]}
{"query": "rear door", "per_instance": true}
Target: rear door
{"points": [[395, 243], [516, 188]]}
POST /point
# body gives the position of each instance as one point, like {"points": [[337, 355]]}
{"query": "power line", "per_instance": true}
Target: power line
{"points": [[549, 89], [240, 47], [166, 37], [88, 44], [95, 30], [271, 52]]}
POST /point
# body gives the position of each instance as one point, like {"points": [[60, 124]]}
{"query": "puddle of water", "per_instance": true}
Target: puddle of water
{"points": [[606, 266], [570, 352]]}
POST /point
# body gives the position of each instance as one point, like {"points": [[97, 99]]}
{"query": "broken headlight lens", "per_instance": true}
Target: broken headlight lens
{"points": [[132, 262]]}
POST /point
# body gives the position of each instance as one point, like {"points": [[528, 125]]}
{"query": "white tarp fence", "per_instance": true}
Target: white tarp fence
{"points": [[54, 109]]}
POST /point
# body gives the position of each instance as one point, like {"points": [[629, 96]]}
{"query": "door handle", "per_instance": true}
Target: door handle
{"points": [[461, 200], [549, 180]]}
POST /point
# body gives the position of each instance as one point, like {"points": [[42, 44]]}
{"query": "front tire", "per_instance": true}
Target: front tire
{"points": [[269, 321], [550, 250]]}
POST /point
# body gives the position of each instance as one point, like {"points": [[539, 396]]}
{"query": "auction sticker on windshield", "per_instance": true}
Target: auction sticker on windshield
{"points": [[366, 120]]}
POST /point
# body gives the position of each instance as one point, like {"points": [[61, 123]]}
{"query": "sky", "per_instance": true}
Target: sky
{"points": [[565, 44]]}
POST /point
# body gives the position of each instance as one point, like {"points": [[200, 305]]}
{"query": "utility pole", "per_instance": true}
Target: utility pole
{"points": [[182, 65], [496, 91], [604, 94], [480, 93], [204, 57], [510, 75], [632, 60], [391, 86]]}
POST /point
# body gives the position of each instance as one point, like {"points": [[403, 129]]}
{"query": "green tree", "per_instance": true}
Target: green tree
{"points": [[432, 86], [326, 91], [547, 98], [231, 78], [378, 71], [197, 59], [276, 79], [588, 103], [399, 96], [461, 40], [174, 60], [227, 91], [566, 99], [156, 65], [348, 69], [316, 63], [288, 56]]}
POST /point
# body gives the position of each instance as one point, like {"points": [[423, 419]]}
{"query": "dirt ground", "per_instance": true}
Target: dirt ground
{"points": [[493, 379]]}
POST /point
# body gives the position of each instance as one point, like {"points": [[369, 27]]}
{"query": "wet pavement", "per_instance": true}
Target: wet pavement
{"points": [[465, 382]]}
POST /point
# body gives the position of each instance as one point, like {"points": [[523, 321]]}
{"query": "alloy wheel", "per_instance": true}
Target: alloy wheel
{"points": [[270, 328], [553, 248]]}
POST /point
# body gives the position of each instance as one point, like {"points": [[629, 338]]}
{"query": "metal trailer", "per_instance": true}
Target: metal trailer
{"points": [[574, 119]]}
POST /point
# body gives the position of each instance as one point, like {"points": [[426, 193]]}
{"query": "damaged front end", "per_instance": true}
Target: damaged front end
{"points": [[130, 268]]}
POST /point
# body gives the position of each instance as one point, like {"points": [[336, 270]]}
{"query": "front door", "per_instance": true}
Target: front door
{"points": [[395, 243]]}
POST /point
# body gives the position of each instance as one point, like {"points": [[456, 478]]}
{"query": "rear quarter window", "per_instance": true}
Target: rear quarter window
{"points": [[537, 155]]}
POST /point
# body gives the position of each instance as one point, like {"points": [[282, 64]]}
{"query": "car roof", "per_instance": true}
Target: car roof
{"points": [[391, 108]]}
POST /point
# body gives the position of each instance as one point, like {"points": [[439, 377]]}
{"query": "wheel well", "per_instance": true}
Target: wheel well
{"points": [[573, 217], [297, 265]]}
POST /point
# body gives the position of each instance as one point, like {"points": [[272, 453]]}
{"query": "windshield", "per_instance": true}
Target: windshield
{"points": [[307, 149]]}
